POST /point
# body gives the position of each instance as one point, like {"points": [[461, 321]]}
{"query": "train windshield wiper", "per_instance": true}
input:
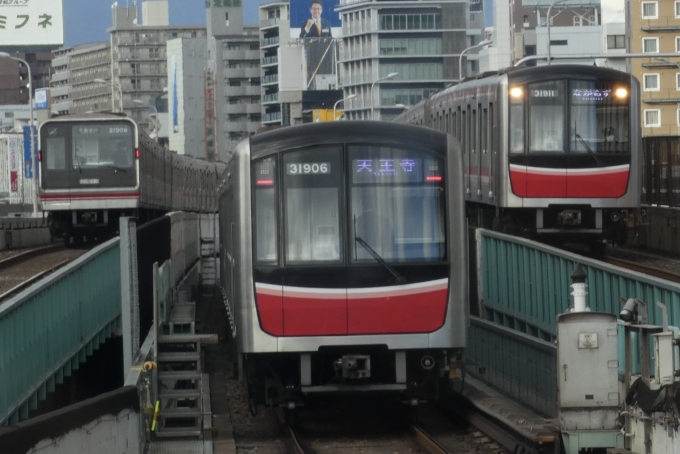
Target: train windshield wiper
{"points": [[400, 279], [116, 168], [590, 152], [80, 169]]}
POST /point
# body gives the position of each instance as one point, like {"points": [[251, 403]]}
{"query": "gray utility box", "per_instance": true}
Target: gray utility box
{"points": [[587, 371]]}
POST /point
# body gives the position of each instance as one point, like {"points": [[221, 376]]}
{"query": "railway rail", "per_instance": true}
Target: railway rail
{"points": [[434, 432], [643, 268], [20, 271]]}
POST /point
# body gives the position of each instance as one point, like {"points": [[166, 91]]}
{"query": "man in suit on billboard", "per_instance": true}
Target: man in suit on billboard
{"points": [[315, 27]]}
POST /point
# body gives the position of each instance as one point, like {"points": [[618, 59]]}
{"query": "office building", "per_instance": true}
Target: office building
{"points": [[417, 43]]}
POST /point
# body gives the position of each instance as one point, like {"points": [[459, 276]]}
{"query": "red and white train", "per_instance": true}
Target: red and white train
{"points": [[344, 260], [95, 168], [549, 151]]}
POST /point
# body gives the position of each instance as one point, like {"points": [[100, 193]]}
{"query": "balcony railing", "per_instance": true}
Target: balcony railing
{"points": [[662, 23], [269, 41], [271, 79], [666, 95], [270, 22], [271, 117], [274, 97], [270, 60]]}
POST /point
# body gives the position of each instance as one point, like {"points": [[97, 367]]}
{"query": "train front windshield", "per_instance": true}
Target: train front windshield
{"points": [[88, 155], [395, 211], [570, 116]]}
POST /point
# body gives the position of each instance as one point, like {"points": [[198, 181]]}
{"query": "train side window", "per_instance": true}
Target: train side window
{"points": [[55, 147], [516, 120], [312, 182], [264, 183], [546, 117]]}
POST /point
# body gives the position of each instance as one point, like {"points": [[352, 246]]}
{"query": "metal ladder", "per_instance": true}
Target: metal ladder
{"points": [[180, 378]]}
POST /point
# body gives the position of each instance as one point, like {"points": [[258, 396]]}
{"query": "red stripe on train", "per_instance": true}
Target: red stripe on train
{"points": [[125, 195], [532, 182], [418, 308]]}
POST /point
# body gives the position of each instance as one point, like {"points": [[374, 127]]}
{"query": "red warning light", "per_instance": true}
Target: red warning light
{"points": [[265, 182], [137, 153], [434, 178]]}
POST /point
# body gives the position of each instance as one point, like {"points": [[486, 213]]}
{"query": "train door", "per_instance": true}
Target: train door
{"points": [[465, 142], [546, 174], [485, 154], [55, 165], [314, 274], [477, 152]]}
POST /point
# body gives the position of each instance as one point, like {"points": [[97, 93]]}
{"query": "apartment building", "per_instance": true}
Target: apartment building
{"points": [[274, 33], [74, 70], [655, 28], [396, 53], [14, 75], [234, 63], [138, 56]]}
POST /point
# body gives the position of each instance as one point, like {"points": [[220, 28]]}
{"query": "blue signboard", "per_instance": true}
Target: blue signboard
{"points": [[41, 98], [313, 18], [28, 163]]}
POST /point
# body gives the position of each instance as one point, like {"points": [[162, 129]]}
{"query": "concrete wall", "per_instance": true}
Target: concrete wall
{"points": [[662, 229], [106, 424], [23, 232]]}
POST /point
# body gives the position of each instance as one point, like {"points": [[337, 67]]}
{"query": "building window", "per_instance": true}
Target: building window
{"points": [[677, 10], [678, 116], [650, 10], [677, 81], [677, 43], [650, 45], [652, 118], [616, 41], [650, 82]]}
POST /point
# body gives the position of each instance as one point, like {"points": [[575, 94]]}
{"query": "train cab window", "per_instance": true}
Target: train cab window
{"points": [[599, 118], [517, 96], [546, 117], [98, 146], [396, 205], [312, 187], [55, 147], [264, 182]]}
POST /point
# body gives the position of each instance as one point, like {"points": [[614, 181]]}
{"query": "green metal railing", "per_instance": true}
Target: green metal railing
{"points": [[516, 363], [50, 328], [524, 285]]}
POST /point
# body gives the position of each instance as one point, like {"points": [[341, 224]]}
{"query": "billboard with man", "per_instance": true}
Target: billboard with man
{"points": [[31, 23], [314, 19]]}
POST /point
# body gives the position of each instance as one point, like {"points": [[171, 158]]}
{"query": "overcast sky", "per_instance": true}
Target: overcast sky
{"points": [[87, 20]]}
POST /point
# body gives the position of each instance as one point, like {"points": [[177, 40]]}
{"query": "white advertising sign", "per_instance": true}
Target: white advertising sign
{"points": [[13, 165], [31, 22]]}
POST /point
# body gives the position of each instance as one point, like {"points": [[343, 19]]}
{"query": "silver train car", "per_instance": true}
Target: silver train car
{"points": [[96, 168], [549, 151], [344, 260]]}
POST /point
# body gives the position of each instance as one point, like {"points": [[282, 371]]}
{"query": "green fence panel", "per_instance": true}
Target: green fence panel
{"points": [[524, 285], [50, 328], [520, 365]]}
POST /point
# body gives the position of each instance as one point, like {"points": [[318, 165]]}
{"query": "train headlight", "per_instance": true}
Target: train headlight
{"points": [[621, 93], [516, 92]]}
